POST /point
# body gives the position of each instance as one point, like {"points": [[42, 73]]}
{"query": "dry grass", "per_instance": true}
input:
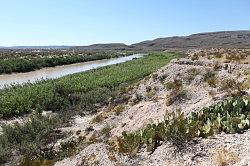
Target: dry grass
{"points": [[89, 160], [223, 55], [99, 118], [211, 78], [232, 86], [118, 109], [246, 84], [225, 157], [177, 92], [111, 156]]}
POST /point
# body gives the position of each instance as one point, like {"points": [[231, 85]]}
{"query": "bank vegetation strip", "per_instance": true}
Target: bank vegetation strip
{"points": [[76, 89], [33, 62]]}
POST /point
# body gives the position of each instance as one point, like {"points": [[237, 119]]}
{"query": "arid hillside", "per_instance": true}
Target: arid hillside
{"points": [[183, 114]]}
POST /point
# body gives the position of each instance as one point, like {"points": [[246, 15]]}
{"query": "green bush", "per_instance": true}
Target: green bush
{"points": [[28, 138]]}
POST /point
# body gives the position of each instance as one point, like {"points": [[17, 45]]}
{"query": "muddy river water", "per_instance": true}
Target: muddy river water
{"points": [[59, 71]]}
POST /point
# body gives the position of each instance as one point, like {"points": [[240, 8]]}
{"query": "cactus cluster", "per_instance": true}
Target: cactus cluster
{"points": [[230, 116]]}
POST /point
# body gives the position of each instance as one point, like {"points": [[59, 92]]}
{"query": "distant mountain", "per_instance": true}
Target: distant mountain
{"points": [[224, 39]]}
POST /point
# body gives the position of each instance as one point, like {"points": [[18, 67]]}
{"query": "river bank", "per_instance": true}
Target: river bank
{"points": [[60, 71], [76, 94]]}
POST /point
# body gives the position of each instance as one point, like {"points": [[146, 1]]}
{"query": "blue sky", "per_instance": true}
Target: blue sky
{"points": [[83, 22]]}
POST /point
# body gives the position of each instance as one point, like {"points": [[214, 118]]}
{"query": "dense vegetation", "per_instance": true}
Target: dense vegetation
{"points": [[77, 88], [42, 53], [75, 93], [28, 62], [230, 116]]}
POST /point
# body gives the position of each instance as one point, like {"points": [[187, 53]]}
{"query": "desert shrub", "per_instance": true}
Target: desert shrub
{"points": [[225, 157], [216, 66], [162, 78], [212, 93], [118, 109], [5, 150], [191, 74], [152, 91], [236, 57], [106, 130], [195, 57], [232, 87], [69, 148], [42, 162], [218, 55], [246, 84], [130, 143], [230, 116], [175, 85], [155, 76], [28, 138], [148, 88], [99, 118], [136, 99], [193, 71], [210, 78], [177, 91], [175, 96]]}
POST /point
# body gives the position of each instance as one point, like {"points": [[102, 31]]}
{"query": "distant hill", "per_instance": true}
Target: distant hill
{"points": [[108, 46], [37, 47], [225, 39]]}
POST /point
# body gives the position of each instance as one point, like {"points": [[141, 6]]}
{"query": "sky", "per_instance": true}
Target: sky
{"points": [[84, 22]]}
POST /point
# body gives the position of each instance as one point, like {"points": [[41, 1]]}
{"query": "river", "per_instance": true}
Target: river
{"points": [[59, 71]]}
